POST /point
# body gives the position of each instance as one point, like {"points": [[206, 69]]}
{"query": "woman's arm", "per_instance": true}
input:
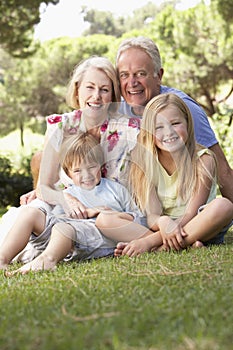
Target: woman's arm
{"points": [[48, 177]]}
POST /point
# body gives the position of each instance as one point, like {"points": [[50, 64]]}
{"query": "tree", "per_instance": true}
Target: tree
{"points": [[35, 87], [101, 22], [197, 54], [104, 22], [17, 21], [225, 9]]}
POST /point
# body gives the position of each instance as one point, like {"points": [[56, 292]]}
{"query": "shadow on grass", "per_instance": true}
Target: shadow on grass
{"points": [[229, 237]]}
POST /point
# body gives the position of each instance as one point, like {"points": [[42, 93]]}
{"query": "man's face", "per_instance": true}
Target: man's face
{"points": [[138, 82]]}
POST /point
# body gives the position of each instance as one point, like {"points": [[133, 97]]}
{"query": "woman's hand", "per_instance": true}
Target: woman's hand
{"points": [[74, 208], [172, 234], [28, 197]]}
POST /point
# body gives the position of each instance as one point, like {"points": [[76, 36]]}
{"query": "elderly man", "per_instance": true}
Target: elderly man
{"points": [[140, 74]]}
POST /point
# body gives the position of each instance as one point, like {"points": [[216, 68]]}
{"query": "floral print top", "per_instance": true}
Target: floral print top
{"points": [[118, 136]]}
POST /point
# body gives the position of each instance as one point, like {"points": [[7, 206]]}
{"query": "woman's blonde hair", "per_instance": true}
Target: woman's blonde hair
{"points": [[80, 148], [100, 63], [144, 156]]}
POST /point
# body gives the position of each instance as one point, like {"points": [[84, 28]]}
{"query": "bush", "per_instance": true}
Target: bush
{"points": [[13, 183]]}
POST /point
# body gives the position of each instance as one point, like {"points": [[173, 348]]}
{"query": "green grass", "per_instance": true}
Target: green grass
{"points": [[180, 301], [157, 301]]}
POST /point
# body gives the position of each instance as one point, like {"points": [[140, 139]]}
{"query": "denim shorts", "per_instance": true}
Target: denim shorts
{"points": [[219, 238]]}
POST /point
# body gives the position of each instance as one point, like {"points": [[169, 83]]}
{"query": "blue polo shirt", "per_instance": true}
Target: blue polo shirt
{"points": [[204, 134]]}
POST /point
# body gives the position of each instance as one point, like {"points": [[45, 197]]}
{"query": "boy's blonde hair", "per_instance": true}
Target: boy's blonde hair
{"points": [[144, 156], [80, 148]]}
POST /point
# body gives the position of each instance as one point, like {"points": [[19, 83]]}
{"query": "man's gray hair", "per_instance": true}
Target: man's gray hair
{"points": [[145, 44]]}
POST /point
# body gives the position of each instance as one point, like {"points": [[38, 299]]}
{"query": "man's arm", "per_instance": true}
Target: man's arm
{"points": [[225, 173]]}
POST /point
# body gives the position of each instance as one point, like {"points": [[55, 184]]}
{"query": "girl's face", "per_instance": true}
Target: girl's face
{"points": [[170, 129], [95, 92], [85, 175]]}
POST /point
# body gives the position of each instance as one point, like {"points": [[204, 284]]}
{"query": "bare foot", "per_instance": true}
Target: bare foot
{"points": [[40, 263], [198, 244], [119, 248]]}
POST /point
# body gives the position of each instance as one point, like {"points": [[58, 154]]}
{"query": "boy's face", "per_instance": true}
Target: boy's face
{"points": [[86, 175]]}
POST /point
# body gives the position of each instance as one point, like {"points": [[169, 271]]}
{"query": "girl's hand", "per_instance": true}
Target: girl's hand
{"points": [[27, 197], [172, 234]]}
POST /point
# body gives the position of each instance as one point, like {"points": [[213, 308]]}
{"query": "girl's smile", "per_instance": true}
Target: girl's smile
{"points": [[170, 130]]}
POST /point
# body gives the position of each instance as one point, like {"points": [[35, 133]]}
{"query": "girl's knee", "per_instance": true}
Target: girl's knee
{"points": [[102, 220], [222, 206], [105, 219], [224, 203]]}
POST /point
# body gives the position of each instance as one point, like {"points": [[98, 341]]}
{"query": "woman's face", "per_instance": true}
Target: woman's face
{"points": [[95, 92]]}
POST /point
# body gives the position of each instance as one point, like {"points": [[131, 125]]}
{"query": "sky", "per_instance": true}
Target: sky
{"points": [[64, 19]]}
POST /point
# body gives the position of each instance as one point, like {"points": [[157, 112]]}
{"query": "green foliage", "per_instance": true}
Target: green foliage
{"points": [[17, 21], [36, 86], [157, 301], [13, 183], [222, 125], [103, 22], [197, 54], [225, 9]]}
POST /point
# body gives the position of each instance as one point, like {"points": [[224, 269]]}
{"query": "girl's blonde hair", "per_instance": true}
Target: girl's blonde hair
{"points": [[100, 63], [190, 169], [80, 148]]}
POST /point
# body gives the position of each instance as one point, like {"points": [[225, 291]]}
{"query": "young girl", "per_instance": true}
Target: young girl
{"points": [[173, 182], [81, 158]]}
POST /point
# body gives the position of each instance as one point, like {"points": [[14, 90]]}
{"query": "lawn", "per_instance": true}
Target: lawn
{"points": [[157, 301], [164, 301]]}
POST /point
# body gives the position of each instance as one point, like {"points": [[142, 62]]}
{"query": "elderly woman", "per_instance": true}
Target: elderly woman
{"points": [[94, 94]]}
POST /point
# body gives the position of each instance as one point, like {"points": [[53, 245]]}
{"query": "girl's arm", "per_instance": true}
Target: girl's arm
{"points": [[172, 231], [153, 210], [200, 197]]}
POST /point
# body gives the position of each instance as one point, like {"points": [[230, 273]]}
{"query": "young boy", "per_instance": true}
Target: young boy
{"points": [[56, 237]]}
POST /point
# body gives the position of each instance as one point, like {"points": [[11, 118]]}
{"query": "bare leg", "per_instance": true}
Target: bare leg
{"points": [[29, 220], [120, 226], [60, 244], [201, 228], [209, 222]]}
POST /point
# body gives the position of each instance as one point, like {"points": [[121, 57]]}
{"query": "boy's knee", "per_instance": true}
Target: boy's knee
{"points": [[64, 229]]}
